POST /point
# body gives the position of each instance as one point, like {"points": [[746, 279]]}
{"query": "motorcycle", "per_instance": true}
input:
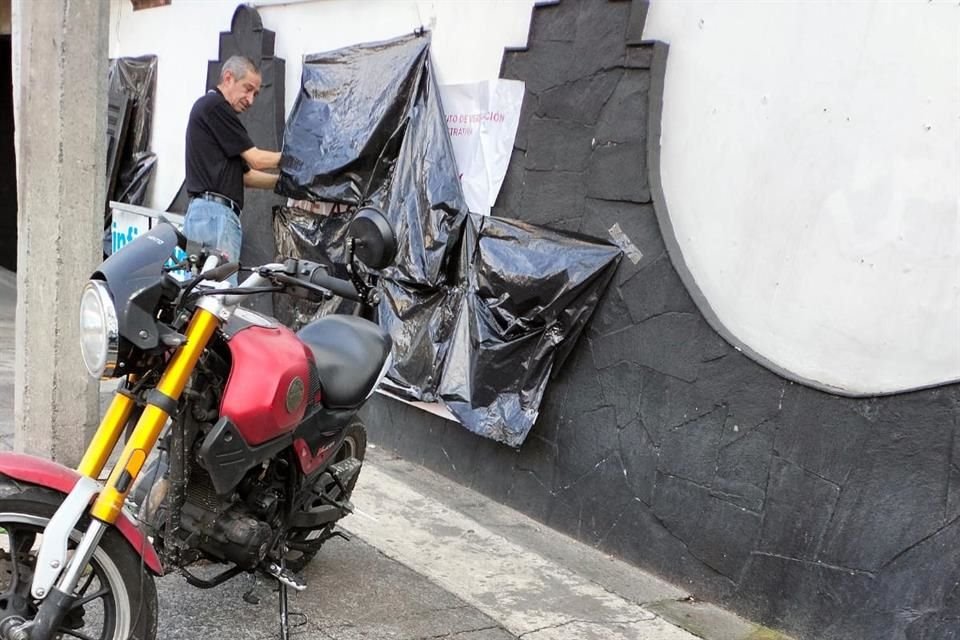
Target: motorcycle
{"points": [[242, 445]]}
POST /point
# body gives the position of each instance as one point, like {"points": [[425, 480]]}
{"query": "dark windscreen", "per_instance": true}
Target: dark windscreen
{"points": [[135, 277]]}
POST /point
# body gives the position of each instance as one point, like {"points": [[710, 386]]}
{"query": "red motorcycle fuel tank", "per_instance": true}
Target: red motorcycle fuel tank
{"points": [[267, 391]]}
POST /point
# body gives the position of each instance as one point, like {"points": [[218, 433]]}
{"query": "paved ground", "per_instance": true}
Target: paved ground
{"points": [[430, 559], [354, 592]]}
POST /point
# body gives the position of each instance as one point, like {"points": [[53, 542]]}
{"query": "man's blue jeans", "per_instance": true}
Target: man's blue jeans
{"points": [[215, 226]]}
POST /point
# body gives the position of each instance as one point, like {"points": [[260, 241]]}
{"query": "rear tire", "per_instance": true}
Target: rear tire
{"points": [[127, 608], [355, 445]]}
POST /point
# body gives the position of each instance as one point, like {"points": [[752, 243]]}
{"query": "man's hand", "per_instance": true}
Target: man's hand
{"points": [[259, 179], [260, 160]]}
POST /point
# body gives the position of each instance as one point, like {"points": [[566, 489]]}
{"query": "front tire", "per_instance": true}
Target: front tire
{"points": [[117, 595]]}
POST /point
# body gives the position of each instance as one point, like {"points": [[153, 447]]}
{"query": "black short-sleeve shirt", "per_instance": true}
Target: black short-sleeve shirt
{"points": [[215, 140]]}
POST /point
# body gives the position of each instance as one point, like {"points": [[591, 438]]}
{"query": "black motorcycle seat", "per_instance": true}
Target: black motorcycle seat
{"points": [[350, 353]]}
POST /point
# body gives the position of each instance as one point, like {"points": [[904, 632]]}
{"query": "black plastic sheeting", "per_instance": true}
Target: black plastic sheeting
{"points": [[529, 293], [135, 178], [321, 238], [132, 82], [482, 310], [366, 128]]}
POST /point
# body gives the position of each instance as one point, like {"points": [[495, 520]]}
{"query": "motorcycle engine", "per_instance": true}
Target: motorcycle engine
{"points": [[227, 531], [233, 528]]}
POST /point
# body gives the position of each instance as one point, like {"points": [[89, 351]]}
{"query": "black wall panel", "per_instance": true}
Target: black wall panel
{"points": [[264, 123], [824, 516], [8, 162]]}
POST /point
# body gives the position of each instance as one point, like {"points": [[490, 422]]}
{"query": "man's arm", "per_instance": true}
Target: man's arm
{"points": [[259, 159], [259, 179]]}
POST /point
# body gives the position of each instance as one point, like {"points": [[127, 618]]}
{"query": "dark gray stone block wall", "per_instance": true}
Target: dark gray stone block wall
{"points": [[658, 442]]}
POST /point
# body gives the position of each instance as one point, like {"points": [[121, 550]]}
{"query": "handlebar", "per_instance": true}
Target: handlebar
{"points": [[303, 274], [222, 272], [342, 288]]}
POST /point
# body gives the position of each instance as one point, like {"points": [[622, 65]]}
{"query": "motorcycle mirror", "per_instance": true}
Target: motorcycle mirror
{"points": [[375, 243]]}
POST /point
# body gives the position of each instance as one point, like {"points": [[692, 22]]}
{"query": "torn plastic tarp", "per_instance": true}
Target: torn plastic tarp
{"points": [[418, 318], [133, 181], [367, 128], [480, 312], [137, 79], [132, 82], [317, 237], [529, 293], [419, 321]]}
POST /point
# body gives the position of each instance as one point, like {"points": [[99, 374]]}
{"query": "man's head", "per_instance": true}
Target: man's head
{"points": [[239, 82]]}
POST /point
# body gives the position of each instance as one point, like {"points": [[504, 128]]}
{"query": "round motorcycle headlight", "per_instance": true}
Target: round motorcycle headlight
{"points": [[99, 333]]}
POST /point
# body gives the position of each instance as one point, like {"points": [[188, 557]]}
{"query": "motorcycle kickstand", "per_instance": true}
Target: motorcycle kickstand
{"points": [[284, 611]]}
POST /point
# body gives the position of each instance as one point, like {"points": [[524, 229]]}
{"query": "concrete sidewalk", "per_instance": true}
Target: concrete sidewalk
{"points": [[431, 559]]}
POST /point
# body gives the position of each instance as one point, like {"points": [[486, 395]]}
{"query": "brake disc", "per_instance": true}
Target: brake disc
{"points": [[15, 599]]}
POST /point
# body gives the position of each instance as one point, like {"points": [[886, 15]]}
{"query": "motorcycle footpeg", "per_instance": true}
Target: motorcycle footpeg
{"points": [[284, 575], [346, 470]]}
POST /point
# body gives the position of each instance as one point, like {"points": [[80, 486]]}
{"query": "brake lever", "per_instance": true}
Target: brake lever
{"points": [[297, 283]]}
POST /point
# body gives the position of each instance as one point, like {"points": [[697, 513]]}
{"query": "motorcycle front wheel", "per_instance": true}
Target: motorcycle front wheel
{"points": [[117, 597]]}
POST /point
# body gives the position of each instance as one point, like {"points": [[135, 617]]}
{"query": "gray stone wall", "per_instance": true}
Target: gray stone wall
{"points": [[658, 442]]}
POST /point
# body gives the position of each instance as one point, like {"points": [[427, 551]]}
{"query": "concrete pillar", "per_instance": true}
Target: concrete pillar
{"points": [[61, 111]]}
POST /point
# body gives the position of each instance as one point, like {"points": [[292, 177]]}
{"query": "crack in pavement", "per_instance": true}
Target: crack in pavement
{"points": [[560, 625]]}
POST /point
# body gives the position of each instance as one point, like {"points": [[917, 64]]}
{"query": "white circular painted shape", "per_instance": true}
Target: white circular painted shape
{"points": [[810, 160]]}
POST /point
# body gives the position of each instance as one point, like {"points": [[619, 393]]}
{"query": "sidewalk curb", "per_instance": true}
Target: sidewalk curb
{"points": [[614, 576]]}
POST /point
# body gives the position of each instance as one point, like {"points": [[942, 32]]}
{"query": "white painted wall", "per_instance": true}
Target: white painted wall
{"points": [[469, 37], [811, 168], [811, 154]]}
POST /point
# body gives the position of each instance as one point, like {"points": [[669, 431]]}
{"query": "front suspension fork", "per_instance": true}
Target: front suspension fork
{"points": [[161, 402]]}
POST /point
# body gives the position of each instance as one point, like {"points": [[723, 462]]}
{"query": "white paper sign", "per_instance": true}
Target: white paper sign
{"points": [[482, 119], [126, 227]]}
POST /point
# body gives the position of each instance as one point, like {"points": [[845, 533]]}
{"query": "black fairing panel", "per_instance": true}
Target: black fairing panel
{"points": [[350, 353], [227, 456], [137, 281], [323, 425]]}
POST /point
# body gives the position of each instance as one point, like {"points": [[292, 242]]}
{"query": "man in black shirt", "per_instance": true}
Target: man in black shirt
{"points": [[221, 159]]}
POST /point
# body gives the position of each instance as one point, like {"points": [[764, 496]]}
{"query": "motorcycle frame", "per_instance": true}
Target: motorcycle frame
{"points": [[56, 578]]}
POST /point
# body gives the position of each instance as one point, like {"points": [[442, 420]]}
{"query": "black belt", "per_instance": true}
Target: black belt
{"points": [[216, 197]]}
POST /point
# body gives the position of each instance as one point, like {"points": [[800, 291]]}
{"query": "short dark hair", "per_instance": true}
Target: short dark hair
{"points": [[239, 66]]}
